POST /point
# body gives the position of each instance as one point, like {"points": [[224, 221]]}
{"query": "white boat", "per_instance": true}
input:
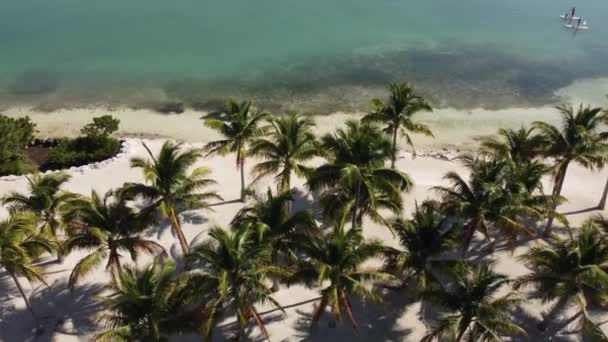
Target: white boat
{"points": [[563, 16], [574, 27]]}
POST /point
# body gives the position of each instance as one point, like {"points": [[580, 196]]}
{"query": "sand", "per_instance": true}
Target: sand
{"points": [[65, 315]]}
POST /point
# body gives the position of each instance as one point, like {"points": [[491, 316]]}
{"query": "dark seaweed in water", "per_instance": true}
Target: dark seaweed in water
{"points": [[461, 77]]}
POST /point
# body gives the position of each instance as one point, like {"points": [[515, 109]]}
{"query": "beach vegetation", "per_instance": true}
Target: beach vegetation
{"points": [[107, 227], [569, 272], [234, 268], [15, 136], [354, 181], [239, 124], [397, 114], [20, 244], [475, 307], [288, 144], [336, 262], [148, 304], [95, 144], [173, 184], [578, 139], [266, 215], [425, 240], [47, 200]]}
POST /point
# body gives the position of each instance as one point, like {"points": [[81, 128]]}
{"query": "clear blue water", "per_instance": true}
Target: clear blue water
{"points": [[321, 55]]}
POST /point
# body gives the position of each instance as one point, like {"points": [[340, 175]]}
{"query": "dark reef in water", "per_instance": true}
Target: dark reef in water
{"points": [[458, 77]]}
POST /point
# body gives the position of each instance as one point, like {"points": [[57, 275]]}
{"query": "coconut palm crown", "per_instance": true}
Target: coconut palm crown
{"points": [[354, 179], [170, 186], [336, 262], [288, 144], [577, 140], [569, 271], [239, 125], [397, 114], [148, 304], [20, 243], [107, 226], [475, 311], [233, 268]]}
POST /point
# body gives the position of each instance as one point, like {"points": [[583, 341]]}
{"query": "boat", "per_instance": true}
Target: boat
{"points": [[563, 16], [575, 27]]}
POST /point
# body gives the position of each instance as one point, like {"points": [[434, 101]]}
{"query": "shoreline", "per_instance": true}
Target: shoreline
{"points": [[454, 129]]}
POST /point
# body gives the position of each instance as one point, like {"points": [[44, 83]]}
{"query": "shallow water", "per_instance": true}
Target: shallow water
{"points": [[315, 55]]}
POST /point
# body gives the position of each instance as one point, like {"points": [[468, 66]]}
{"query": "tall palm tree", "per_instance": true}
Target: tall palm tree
{"points": [[423, 239], [170, 186], [354, 178], [239, 125], [272, 224], [234, 270], [19, 244], [288, 144], [578, 139], [397, 114], [336, 262], [482, 201], [45, 199], [107, 226], [148, 304], [475, 312], [519, 145], [569, 271]]}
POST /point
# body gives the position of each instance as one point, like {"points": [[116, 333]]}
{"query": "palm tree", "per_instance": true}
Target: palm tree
{"points": [[521, 145], [148, 304], [483, 200], [473, 308], [423, 239], [45, 199], [354, 177], [289, 143], [569, 271], [168, 184], [108, 227], [577, 140], [272, 224], [336, 261], [234, 270], [239, 127], [398, 113], [19, 244]]}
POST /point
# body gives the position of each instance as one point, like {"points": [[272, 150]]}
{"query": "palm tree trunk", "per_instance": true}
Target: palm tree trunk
{"points": [[602, 204], [242, 162], [356, 207], [178, 231], [394, 156], [27, 302], [557, 190], [468, 237]]}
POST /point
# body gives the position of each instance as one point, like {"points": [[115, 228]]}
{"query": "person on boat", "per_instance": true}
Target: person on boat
{"points": [[578, 22]]}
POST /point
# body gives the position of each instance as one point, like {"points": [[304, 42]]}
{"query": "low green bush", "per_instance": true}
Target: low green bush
{"points": [[15, 135], [82, 151]]}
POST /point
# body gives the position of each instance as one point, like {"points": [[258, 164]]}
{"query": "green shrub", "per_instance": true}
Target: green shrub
{"points": [[95, 144], [101, 127], [82, 151], [17, 164], [15, 134]]}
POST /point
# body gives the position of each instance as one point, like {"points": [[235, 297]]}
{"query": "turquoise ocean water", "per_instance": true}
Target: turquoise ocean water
{"points": [[317, 55]]}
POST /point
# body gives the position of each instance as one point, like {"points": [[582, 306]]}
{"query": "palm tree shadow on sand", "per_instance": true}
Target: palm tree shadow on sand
{"points": [[377, 321], [60, 311]]}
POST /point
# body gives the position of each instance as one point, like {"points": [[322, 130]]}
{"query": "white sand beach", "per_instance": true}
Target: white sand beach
{"points": [[68, 315]]}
